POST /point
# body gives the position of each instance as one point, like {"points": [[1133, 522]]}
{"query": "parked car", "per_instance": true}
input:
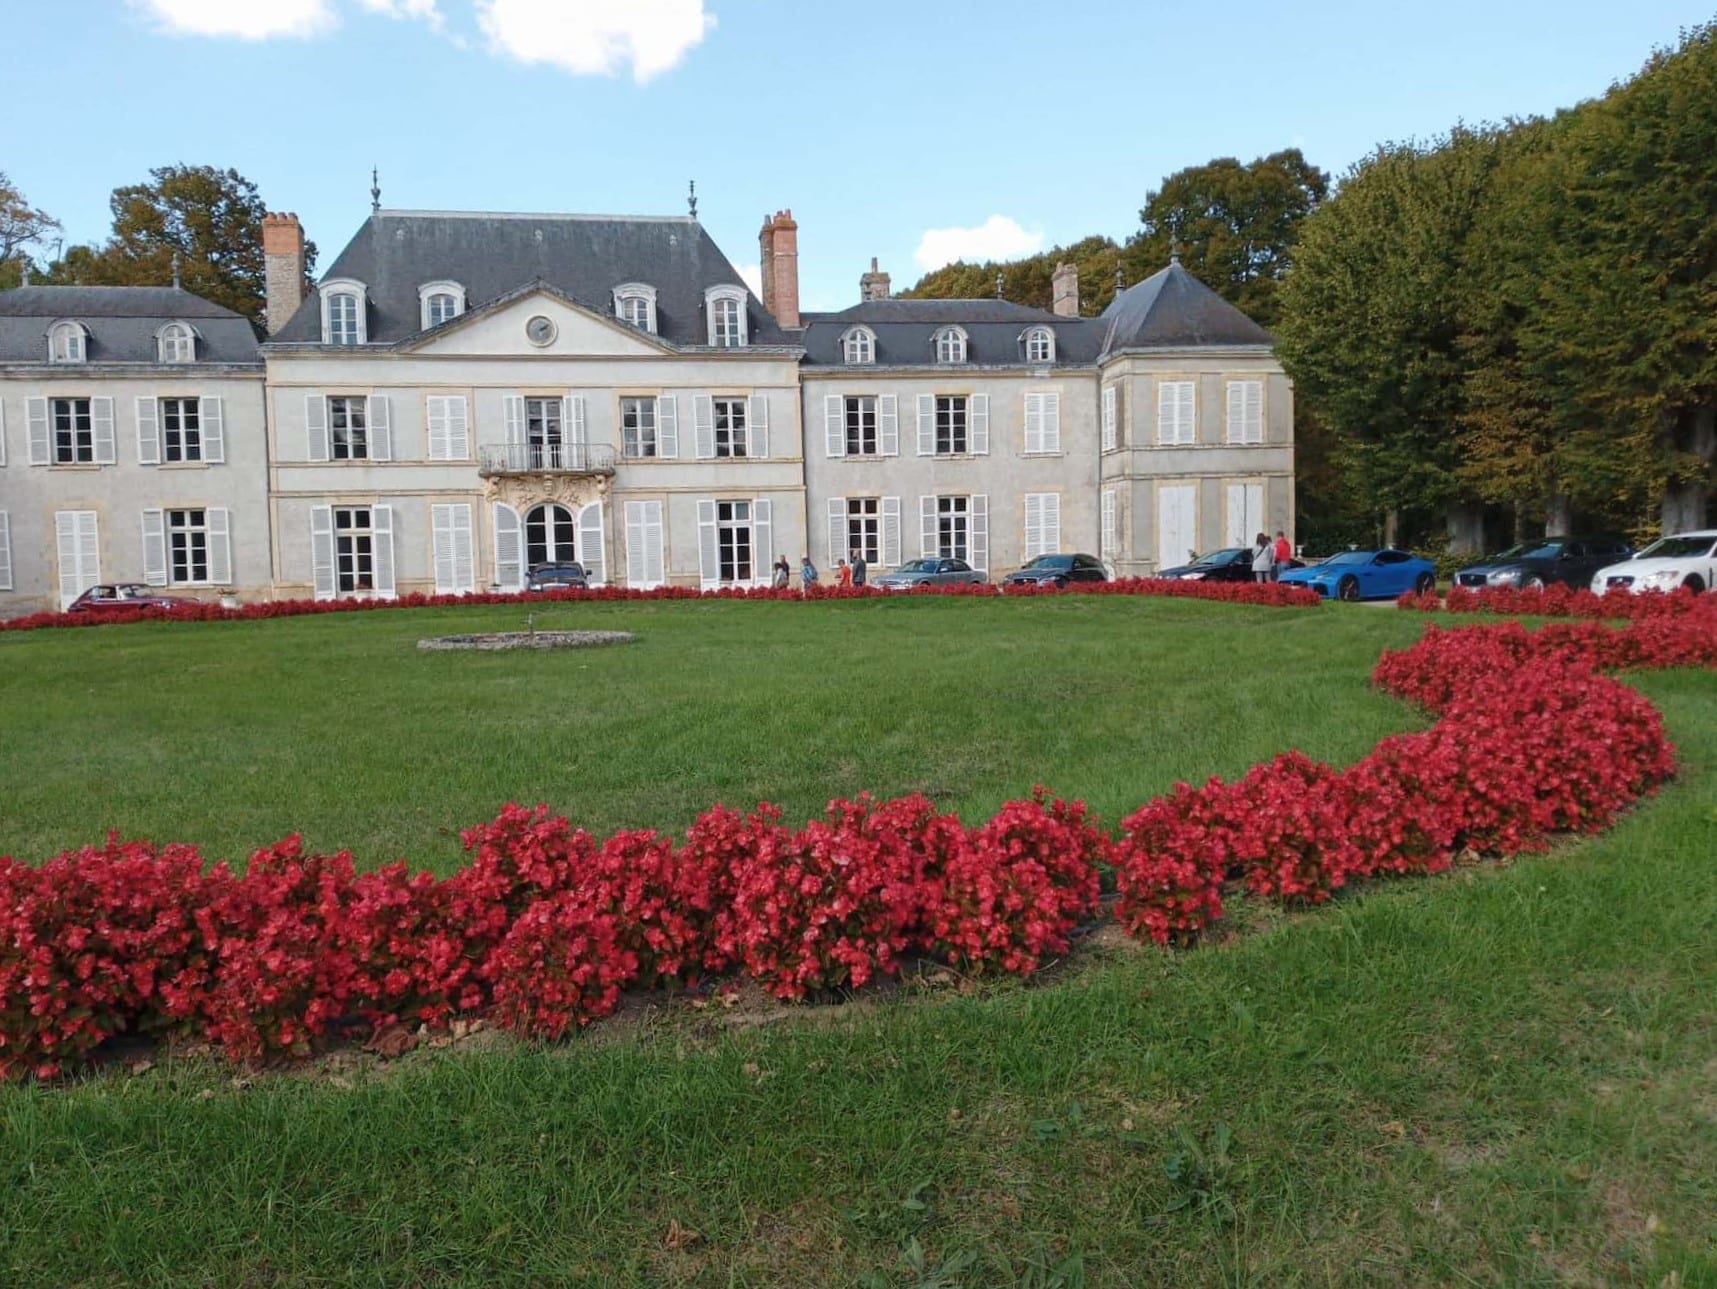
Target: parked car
{"points": [[1058, 570], [1569, 560], [120, 597], [1365, 575], [1230, 564], [930, 572], [1473, 575], [1668, 564], [557, 577]]}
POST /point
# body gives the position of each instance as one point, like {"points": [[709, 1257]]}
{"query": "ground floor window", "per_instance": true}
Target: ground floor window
{"points": [[864, 528], [733, 540], [188, 545], [354, 549], [953, 528], [550, 536]]}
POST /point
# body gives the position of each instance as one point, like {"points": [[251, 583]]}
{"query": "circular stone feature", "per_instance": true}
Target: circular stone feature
{"points": [[528, 640]]}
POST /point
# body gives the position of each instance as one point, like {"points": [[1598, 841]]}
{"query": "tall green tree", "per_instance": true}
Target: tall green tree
{"points": [[22, 226]]}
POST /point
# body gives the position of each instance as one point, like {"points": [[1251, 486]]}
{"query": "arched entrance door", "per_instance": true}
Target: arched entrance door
{"points": [[550, 535]]}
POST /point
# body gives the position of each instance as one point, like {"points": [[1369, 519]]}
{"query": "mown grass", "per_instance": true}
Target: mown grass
{"points": [[1502, 1076]]}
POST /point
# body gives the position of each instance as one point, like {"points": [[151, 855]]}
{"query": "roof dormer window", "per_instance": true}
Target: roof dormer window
{"points": [[726, 309], [859, 345], [343, 312], [635, 304], [1039, 345], [67, 342], [951, 345], [176, 343], [440, 301]]}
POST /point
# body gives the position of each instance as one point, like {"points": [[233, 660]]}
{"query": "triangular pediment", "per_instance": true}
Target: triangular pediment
{"points": [[504, 328]]}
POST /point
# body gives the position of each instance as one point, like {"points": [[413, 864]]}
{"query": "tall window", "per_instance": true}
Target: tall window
{"points": [[65, 343], [733, 540], [181, 430], [861, 425], [343, 318], [953, 527], [950, 345], [860, 346], [543, 432], [636, 304], [864, 531], [549, 535], [354, 549], [439, 301], [188, 545], [178, 343], [726, 316], [1040, 345], [348, 428], [951, 422], [1175, 413], [730, 434], [638, 427], [1245, 411], [74, 432], [442, 306]]}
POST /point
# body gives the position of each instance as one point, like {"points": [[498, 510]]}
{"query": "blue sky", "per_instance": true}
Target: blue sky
{"points": [[1005, 125]]}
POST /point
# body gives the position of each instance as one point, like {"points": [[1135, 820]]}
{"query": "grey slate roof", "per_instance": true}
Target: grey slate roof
{"points": [[121, 322], [905, 331], [491, 255], [1173, 309]]}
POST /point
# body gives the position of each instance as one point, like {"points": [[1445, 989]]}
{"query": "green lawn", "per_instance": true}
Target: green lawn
{"points": [[1503, 1076]]}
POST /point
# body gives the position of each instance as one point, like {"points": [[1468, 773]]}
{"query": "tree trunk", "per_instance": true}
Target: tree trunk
{"points": [[1686, 501], [1558, 515], [1466, 529], [1391, 525], [1520, 524]]}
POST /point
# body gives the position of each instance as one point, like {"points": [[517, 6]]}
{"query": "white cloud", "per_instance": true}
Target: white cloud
{"points": [[997, 238], [424, 9], [596, 37], [752, 276], [244, 19]]}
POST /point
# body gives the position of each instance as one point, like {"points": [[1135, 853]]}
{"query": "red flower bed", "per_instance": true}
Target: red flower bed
{"points": [[546, 925], [1557, 601]]}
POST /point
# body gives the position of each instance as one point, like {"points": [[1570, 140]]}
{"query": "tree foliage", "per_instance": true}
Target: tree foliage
{"points": [[21, 227], [1028, 281]]}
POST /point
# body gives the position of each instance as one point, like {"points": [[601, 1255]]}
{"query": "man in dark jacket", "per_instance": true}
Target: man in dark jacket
{"points": [[858, 567]]}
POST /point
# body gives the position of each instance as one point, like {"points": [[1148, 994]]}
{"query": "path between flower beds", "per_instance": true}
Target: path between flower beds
{"points": [[546, 925]]}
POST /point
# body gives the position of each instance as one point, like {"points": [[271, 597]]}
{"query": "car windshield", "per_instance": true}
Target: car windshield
{"points": [[1549, 550], [1349, 557], [1051, 562], [918, 566], [1513, 552], [1676, 548], [1221, 556]]}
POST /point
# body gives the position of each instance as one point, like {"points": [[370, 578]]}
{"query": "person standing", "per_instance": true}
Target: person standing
{"points": [[783, 573], [1284, 555], [1263, 559], [858, 567], [843, 573], [807, 573]]}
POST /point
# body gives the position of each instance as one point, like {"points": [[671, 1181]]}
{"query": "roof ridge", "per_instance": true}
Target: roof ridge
{"points": [[527, 214]]}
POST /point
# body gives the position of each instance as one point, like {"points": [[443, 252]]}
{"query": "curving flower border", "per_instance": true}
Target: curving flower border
{"points": [[546, 925]]}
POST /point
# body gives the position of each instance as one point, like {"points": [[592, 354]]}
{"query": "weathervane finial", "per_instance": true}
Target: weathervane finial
{"points": [[998, 286], [375, 189], [176, 286], [692, 197]]}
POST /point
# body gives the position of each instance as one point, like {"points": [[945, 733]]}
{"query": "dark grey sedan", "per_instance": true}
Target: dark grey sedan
{"points": [[930, 572]]}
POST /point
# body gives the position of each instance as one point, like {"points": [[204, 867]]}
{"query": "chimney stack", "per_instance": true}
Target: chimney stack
{"points": [[1064, 286], [283, 268], [778, 250], [874, 285]]}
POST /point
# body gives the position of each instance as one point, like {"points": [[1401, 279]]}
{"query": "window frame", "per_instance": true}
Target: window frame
{"points": [[1030, 338], [737, 446], [74, 446], [864, 528], [960, 445], [184, 440], [729, 526], [721, 336], [858, 347], [176, 342], [77, 351], [950, 345], [350, 535], [345, 289], [853, 405], [184, 534], [1163, 389], [348, 403], [642, 404], [1241, 431], [954, 515], [631, 293]]}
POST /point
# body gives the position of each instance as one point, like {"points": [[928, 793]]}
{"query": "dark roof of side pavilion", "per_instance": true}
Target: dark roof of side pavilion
{"points": [[905, 332], [121, 322], [1172, 309], [491, 255]]}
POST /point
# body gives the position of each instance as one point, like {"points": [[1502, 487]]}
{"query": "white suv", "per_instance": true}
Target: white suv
{"points": [[1687, 559]]}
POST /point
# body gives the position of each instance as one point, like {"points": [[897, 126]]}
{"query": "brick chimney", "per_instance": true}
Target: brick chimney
{"points": [[1064, 286], [874, 285], [778, 251], [283, 267]]}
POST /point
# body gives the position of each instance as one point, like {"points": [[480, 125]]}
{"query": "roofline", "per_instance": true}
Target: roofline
{"points": [[121, 367], [852, 371], [1175, 351], [525, 214]]}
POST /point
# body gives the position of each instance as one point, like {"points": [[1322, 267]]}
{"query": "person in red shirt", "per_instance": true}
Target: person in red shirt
{"points": [[1284, 555], [843, 574]]}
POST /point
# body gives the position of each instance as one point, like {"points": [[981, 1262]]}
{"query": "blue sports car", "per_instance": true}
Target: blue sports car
{"points": [[1366, 575]]}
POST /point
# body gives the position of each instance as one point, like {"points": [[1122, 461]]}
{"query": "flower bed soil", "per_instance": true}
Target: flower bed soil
{"points": [[495, 640]]}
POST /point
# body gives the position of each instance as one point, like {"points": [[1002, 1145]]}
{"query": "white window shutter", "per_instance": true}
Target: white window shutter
{"points": [[442, 555], [2, 431], [891, 532], [509, 548], [634, 544], [101, 429], [79, 541], [381, 541], [1254, 411], [513, 414], [1236, 414], [458, 435], [978, 428], [435, 431], [1187, 418], [380, 413], [1051, 523], [214, 430], [1033, 413], [5, 551], [316, 428], [41, 449], [575, 419], [1052, 421], [1033, 525], [220, 546], [927, 527], [709, 558], [888, 425], [979, 532], [154, 548], [926, 425], [668, 426], [759, 410], [148, 431], [762, 540], [1166, 407], [703, 426], [592, 545], [1107, 543], [655, 569], [835, 425], [322, 551], [464, 551], [837, 529], [1108, 417]]}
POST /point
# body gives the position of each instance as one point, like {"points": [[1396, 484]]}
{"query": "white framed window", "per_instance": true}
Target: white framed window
{"points": [[70, 431], [864, 530], [1039, 345], [1243, 513], [1042, 524], [74, 431], [343, 321], [1245, 411], [1043, 421], [861, 425], [439, 301], [67, 343], [78, 537], [638, 428], [725, 306], [955, 527], [730, 433], [635, 304], [448, 422], [363, 550], [1111, 428], [187, 546], [644, 563], [859, 415], [952, 424], [1175, 413], [735, 541], [858, 346], [348, 427], [181, 429], [1109, 537], [950, 345], [176, 343]]}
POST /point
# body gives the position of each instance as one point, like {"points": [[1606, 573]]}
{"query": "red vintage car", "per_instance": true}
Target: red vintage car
{"points": [[121, 597]]}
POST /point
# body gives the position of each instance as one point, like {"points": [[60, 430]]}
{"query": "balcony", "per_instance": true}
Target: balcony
{"points": [[545, 458]]}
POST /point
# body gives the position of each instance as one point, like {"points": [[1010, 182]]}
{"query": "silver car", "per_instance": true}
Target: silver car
{"points": [[930, 572]]}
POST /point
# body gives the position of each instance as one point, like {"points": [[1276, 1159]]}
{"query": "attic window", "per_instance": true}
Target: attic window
{"points": [[1039, 345], [859, 345], [343, 312], [440, 301], [635, 304], [177, 343], [726, 308], [66, 342], [950, 345]]}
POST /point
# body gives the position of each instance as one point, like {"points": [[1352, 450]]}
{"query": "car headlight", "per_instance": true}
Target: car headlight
{"points": [[1192, 577], [1662, 577], [1503, 577]]}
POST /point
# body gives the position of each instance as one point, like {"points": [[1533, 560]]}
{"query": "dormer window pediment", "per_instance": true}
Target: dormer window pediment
{"points": [[858, 346], [951, 345], [1038, 344], [68, 342], [635, 304], [176, 342], [724, 307], [344, 311], [438, 302]]}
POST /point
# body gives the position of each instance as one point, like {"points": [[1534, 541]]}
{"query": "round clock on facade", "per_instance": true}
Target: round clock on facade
{"points": [[540, 330]]}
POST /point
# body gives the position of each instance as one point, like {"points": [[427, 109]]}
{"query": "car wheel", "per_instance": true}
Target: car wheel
{"points": [[1426, 584], [1348, 589], [1061, 583], [1533, 584], [1694, 583]]}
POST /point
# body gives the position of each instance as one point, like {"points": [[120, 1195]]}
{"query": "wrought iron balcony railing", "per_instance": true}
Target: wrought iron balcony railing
{"points": [[552, 458]]}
